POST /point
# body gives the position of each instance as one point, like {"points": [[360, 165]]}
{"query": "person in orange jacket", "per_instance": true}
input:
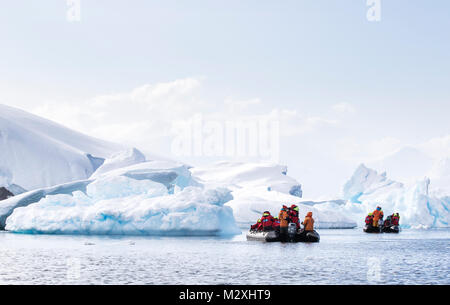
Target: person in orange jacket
{"points": [[377, 215], [283, 216], [308, 223]]}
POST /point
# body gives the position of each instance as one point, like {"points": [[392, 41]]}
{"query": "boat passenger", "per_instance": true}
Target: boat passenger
{"points": [[267, 221], [256, 226], [369, 219], [308, 223], [388, 221], [395, 219], [293, 215], [377, 215], [283, 216], [276, 224]]}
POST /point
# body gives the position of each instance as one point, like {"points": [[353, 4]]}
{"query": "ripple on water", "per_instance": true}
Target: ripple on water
{"points": [[342, 257]]}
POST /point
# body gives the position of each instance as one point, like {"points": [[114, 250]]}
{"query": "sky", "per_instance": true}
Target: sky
{"points": [[319, 87]]}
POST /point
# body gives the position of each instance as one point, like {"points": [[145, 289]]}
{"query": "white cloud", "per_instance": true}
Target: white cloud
{"points": [[344, 108], [237, 106], [138, 116], [294, 123], [145, 116], [179, 88]]}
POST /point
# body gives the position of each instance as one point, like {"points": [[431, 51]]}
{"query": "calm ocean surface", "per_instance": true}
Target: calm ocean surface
{"points": [[342, 257]]}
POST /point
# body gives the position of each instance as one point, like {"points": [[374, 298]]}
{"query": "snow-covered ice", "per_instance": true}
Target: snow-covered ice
{"points": [[418, 205], [257, 187], [119, 160], [149, 198], [37, 153], [9, 205], [87, 186]]}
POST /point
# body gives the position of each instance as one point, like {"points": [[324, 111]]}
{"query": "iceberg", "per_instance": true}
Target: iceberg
{"points": [[440, 176], [37, 153], [418, 205], [249, 175], [149, 198], [257, 187]]}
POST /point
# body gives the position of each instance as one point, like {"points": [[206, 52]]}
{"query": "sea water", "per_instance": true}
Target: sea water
{"points": [[341, 257]]}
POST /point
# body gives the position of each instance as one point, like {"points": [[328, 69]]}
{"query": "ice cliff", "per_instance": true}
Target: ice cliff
{"points": [[147, 198], [419, 206]]}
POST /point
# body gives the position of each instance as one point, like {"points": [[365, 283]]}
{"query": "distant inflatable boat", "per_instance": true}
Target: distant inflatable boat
{"points": [[390, 229]]}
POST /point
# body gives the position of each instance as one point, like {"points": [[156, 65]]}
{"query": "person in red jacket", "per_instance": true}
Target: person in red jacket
{"points": [[293, 215], [276, 224], [267, 221], [395, 218], [388, 221], [256, 226], [369, 219]]}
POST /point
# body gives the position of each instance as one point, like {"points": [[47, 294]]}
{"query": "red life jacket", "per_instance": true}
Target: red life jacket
{"points": [[369, 220], [293, 215], [267, 221], [395, 220], [276, 223], [255, 226]]}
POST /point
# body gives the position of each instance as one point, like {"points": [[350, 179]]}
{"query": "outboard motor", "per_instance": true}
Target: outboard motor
{"points": [[292, 230], [380, 223]]}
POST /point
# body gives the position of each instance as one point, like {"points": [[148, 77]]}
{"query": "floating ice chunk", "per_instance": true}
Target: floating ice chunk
{"points": [[192, 211], [150, 179]]}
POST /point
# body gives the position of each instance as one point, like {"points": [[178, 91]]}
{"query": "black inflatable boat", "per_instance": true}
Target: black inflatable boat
{"points": [[382, 229], [391, 229], [371, 229], [294, 236]]}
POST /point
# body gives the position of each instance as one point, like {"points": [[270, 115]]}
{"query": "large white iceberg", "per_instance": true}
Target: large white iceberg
{"points": [[37, 153], [149, 198], [257, 187], [418, 205]]}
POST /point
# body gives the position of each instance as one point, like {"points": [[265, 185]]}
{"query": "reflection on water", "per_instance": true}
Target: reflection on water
{"points": [[342, 257]]}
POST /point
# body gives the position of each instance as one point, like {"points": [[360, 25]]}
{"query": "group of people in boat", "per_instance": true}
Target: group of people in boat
{"points": [[376, 219], [286, 216]]}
